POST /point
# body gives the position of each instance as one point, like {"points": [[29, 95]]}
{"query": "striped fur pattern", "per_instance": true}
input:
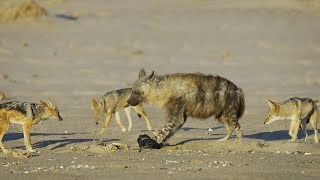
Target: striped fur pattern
{"points": [[190, 95]]}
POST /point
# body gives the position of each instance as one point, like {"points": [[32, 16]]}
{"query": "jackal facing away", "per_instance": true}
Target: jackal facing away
{"points": [[110, 102], [26, 114], [299, 111], [190, 95]]}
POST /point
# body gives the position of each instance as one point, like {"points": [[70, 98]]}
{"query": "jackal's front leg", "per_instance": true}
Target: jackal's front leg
{"points": [[106, 122], [27, 138], [294, 127], [174, 123]]}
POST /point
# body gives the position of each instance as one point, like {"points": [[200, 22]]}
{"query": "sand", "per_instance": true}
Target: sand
{"points": [[82, 49]]}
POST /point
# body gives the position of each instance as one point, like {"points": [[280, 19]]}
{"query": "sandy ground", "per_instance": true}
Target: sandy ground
{"points": [[83, 49]]}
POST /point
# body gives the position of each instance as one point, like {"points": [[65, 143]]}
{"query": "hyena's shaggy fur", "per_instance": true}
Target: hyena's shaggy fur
{"points": [[190, 95]]}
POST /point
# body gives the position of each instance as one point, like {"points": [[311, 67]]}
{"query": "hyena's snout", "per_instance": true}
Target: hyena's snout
{"points": [[133, 100]]}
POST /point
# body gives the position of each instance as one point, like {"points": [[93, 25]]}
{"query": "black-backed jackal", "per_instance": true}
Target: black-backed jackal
{"points": [[110, 102], [190, 95], [27, 114], [299, 111]]}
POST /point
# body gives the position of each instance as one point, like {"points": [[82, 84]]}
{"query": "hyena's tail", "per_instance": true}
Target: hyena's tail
{"points": [[241, 102]]}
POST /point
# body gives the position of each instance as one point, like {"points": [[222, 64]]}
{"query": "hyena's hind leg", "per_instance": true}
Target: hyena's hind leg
{"points": [[314, 122], [232, 124], [139, 109], [226, 123]]}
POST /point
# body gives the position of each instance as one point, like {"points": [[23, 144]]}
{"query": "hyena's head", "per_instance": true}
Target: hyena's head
{"points": [[273, 114], [97, 109], [141, 88], [50, 110]]}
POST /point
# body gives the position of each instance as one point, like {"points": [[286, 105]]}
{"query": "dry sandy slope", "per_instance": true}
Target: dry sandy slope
{"points": [[270, 49]]}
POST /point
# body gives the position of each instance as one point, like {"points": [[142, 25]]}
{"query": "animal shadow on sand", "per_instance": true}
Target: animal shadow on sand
{"points": [[61, 142], [201, 139], [277, 135], [266, 136]]}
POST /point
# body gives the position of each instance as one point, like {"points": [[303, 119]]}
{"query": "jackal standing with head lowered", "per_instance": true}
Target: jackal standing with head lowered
{"points": [[110, 102], [299, 111], [190, 95], [27, 114]]}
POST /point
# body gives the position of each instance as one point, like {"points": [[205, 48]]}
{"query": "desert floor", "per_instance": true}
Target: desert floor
{"points": [[83, 49]]}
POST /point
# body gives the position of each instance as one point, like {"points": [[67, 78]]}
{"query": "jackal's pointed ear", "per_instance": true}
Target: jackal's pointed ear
{"points": [[151, 76], [93, 103], [142, 73], [43, 103], [51, 104], [273, 105]]}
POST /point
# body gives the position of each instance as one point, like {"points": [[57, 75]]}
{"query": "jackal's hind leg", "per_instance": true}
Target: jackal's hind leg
{"points": [[313, 121], [3, 129], [127, 111]]}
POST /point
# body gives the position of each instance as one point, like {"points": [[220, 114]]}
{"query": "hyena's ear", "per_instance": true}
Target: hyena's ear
{"points": [[93, 103], [151, 76], [50, 103], [273, 105], [142, 73]]}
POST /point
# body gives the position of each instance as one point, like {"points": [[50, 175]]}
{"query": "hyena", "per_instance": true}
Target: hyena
{"points": [[190, 95], [299, 111]]}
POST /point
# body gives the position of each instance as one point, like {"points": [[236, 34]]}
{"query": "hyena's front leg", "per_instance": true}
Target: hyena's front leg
{"points": [[173, 124]]}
